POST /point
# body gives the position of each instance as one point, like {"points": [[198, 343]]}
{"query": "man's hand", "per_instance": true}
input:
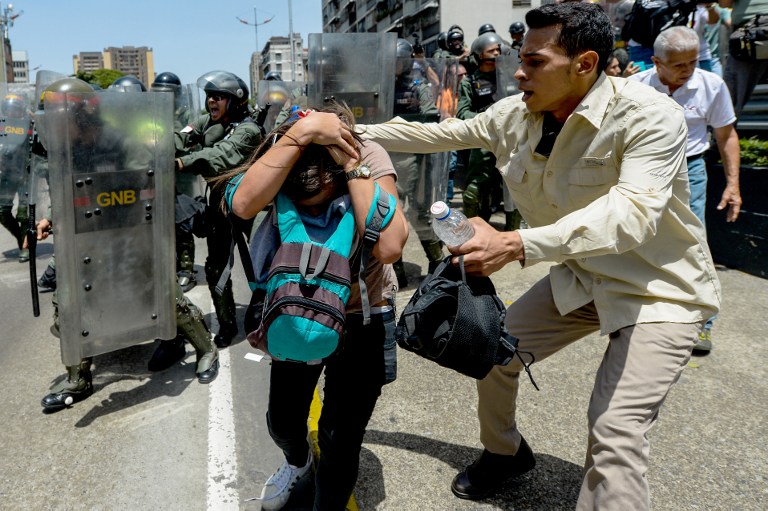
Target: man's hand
{"points": [[489, 250], [732, 199], [43, 229]]}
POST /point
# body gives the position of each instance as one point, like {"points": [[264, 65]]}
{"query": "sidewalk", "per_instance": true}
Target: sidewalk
{"points": [[708, 450]]}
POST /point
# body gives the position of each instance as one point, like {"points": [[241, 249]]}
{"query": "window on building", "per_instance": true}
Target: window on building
{"points": [[521, 3]]}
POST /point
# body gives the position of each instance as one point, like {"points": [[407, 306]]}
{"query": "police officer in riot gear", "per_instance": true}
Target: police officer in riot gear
{"points": [[455, 43], [92, 147], [414, 101], [476, 93], [14, 158], [213, 143], [273, 75], [442, 47], [516, 33], [187, 208]]}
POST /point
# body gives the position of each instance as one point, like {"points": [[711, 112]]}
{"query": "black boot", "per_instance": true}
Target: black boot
{"points": [[167, 353], [490, 471], [75, 388], [227, 332], [47, 281], [190, 325]]}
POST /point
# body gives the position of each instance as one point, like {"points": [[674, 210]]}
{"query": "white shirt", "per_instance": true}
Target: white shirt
{"points": [[705, 100]]}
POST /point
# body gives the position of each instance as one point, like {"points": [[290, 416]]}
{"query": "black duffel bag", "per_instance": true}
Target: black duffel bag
{"points": [[457, 321]]}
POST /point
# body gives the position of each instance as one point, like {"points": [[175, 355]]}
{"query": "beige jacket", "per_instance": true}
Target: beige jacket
{"points": [[610, 204]]}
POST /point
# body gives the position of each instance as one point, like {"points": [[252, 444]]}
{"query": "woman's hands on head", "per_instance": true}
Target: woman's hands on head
{"points": [[326, 129]]}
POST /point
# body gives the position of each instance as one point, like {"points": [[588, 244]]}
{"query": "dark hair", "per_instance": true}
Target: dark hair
{"points": [[313, 172], [622, 56], [583, 27]]}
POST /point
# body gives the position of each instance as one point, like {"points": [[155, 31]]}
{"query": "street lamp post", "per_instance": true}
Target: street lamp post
{"points": [[7, 17]]}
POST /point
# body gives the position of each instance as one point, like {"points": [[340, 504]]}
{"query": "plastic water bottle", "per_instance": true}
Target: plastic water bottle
{"points": [[450, 225]]}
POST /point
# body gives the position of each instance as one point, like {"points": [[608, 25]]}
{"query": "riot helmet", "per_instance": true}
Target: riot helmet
{"points": [[166, 82], [516, 28], [76, 96], [456, 42], [442, 41], [273, 76], [128, 84], [13, 106], [485, 28], [404, 49], [229, 84], [486, 41]]}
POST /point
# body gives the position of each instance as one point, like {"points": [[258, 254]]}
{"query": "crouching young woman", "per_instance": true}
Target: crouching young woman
{"points": [[324, 169]]}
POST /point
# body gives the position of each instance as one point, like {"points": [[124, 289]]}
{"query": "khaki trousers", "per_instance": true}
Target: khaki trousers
{"points": [[638, 369]]}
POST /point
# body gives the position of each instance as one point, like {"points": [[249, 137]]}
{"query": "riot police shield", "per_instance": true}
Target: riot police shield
{"points": [[15, 133], [112, 204], [280, 98], [187, 107], [506, 67], [355, 69], [425, 90]]}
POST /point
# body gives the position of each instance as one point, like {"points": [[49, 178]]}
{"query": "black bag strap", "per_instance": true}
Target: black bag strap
{"points": [[238, 238]]}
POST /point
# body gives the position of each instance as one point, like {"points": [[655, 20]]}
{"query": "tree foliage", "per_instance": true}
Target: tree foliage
{"points": [[101, 77]]}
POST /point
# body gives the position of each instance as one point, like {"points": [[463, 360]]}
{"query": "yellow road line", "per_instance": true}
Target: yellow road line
{"points": [[314, 416]]}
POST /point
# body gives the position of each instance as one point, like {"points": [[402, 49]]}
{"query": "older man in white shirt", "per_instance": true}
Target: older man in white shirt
{"points": [[706, 102]]}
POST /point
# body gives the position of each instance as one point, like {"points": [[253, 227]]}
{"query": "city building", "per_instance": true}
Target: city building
{"points": [[88, 61], [129, 60], [20, 66], [277, 56], [424, 18]]}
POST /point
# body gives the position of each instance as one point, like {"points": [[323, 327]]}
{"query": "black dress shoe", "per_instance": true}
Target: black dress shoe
{"points": [[59, 400], [209, 375], [167, 353], [490, 471]]}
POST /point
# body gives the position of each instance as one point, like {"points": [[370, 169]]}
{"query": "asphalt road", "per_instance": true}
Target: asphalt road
{"points": [[162, 441]]}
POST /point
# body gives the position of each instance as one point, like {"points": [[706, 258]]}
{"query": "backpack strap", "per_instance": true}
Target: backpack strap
{"points": [[238, 238], [379, 215]]}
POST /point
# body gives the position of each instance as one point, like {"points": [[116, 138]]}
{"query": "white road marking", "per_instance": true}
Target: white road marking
{"points": [[222, 454]]}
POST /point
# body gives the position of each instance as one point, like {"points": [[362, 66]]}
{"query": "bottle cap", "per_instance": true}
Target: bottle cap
{"points": [[439, 209]]}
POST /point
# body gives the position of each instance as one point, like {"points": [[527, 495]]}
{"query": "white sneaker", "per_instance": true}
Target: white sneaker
{"points": [[277, 490]]}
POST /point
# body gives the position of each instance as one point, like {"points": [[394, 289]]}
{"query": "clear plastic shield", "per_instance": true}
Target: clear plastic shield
{"points": [[113, 211], [280, 98], [506, 67], [355, 69], [15, 137], [42, 80], [425, 90], [187, 107]]}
